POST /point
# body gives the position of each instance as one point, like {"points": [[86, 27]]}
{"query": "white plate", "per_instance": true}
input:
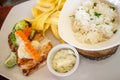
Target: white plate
{"points": [[65, 23], [107, 69]]}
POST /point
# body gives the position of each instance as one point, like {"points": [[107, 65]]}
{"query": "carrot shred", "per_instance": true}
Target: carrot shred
{"points": [[27, 31], [33, 52]]}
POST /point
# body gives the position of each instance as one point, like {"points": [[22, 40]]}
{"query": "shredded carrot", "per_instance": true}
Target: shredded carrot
{"points": [[33, 52], [27, 31]]}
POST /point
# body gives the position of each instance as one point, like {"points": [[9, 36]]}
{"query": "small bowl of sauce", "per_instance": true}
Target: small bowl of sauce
{"points": [[63, 60]]}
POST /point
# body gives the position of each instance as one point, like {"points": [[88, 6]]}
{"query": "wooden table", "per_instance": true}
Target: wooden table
{"points": [[3, 78], [3, 13]]}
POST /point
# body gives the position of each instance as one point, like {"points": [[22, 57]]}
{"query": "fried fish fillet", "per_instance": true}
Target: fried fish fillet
{"points": [[27, 65]]}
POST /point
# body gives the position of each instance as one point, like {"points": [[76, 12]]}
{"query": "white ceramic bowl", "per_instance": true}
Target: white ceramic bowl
{"points": [[66, 33], [51, 54]]}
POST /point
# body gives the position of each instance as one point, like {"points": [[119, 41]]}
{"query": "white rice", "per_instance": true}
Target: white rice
{"points": [[95, 21]]}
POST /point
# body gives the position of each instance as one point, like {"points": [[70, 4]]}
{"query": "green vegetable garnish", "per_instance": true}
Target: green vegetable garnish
{"points": [[97, 24], [13, 39], [11, 60], [73, 16], [88, 12], [113, 8], [97, 14], [113, 20], [95, 4], [107, 23], [114, 31], [20, 25], [32, 34], [91, 18]]}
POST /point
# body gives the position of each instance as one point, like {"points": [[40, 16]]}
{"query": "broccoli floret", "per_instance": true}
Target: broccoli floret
{"points": [[13, 39], [20, 25]]}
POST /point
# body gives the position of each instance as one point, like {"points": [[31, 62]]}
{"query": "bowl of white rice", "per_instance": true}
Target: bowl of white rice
{"points": [[91, 25]]}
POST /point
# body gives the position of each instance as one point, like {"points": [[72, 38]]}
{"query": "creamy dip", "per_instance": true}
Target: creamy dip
{"points": [[63, 60]]}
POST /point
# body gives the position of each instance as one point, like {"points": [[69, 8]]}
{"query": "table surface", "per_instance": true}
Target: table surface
{"points": [[3, 78]]}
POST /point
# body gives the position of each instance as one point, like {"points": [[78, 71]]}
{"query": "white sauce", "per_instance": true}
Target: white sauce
{"points": [[64, 60], [23, 53]]}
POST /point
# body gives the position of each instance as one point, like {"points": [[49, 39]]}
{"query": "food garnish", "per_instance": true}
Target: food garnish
{"points": [[11, 60], [97, 14], [113, 8], [27, 44]]}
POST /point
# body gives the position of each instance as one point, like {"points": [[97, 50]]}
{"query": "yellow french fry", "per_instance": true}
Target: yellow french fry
{"points": [[35, 12], [54, 29], [34, 24], [47, 3], [46, 14], [29, 20], [53, 19], [45, 9], [60, 4], [41, 20], [46, 26]]}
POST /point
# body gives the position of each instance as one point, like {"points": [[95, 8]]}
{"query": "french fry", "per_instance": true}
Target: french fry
{"points": [[54, 29], [45, 8], [60, 4], [53, 19], [35, 12], [46, 14], [39, 22], [46, 27]]}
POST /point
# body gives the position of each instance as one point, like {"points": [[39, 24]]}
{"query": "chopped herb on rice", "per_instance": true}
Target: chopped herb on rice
{"points": [[95, 22]]}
